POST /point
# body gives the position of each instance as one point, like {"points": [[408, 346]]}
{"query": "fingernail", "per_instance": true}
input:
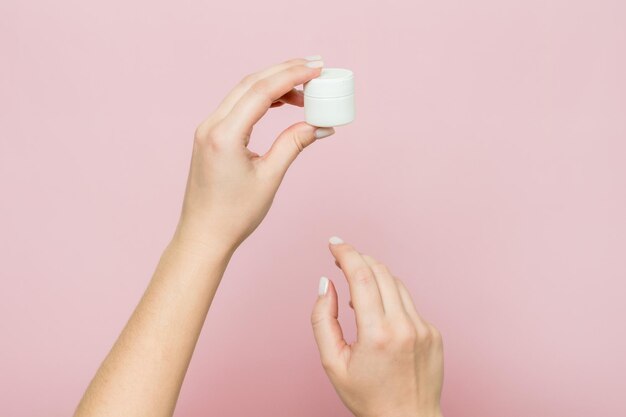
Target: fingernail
{"points": [[323, 287], [335, 240], [315, 64], [313, 57], [322, 132]]}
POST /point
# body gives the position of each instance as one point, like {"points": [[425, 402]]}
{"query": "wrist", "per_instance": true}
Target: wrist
{"points": [[201, 241], [436, 412]]}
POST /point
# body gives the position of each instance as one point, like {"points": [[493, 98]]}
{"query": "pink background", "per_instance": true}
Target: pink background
{"points": [[486, 167]]}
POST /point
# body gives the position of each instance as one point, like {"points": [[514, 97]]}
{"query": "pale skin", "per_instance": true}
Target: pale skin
{"points": [[394, 369]]}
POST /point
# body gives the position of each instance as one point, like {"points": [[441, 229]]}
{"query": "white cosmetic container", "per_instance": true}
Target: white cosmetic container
{"points": [[329, 98]]}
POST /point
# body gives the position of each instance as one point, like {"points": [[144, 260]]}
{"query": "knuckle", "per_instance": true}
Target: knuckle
{"points": [[200, 136], [425, 335], [406, 333], [316, 319], [202, 133], [298, 141], [430, 337], [217, 133], [435, 334], [260, 87], [248, 79], [379, 268], [362, 275], [294, 71], [213, 138], [381, 338]]}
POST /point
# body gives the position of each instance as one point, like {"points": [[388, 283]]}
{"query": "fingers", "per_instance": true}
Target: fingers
{"points": [[326, 328], [293, 97], [409, 307], [255, 102], [244, 85], [394, 297], [290, 143], [389, 292], [364, 291]]}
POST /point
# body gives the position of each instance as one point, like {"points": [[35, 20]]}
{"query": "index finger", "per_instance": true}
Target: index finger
{"points": [[364, 291], [239, 90], [259, 97]]}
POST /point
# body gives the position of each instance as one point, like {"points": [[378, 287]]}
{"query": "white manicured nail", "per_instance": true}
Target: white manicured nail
{"points": [[323, 287], [313, 57], [335, 240], [322, 132], [315, 64]]}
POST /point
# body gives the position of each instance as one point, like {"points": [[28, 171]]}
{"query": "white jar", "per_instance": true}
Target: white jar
{"points": [[329, 98]]}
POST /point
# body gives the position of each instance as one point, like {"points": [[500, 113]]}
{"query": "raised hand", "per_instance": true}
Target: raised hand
{"points": [[230, 188], [395, 368]]}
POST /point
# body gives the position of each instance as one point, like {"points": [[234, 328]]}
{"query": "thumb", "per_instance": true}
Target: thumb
{"points": [[291, 142], [326, 328]]}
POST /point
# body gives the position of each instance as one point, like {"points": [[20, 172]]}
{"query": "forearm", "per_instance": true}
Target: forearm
{"points": [[143, 373]]}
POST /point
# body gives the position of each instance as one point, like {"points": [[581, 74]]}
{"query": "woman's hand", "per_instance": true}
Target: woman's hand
{"points": [[395, 368], [230, 189]]}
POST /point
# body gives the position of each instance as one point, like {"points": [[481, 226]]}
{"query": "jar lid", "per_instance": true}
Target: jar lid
{"points": [[332, 82]]}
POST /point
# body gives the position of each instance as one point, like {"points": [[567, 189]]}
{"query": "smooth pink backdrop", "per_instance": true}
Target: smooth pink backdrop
{"points": [[486, 167]]}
